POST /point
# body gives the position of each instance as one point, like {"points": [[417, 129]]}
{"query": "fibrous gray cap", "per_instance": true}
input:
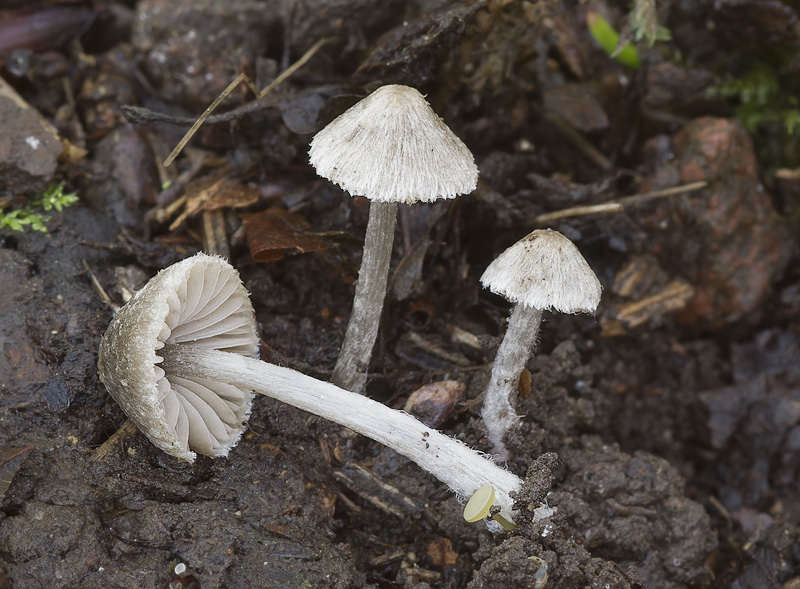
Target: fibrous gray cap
{"points": [[544, 270], [200, 301], [392, 147]]}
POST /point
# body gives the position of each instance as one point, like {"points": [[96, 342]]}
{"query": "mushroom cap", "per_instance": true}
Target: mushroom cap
{"points": [[202, 301], [480, 504], [544, 270], [392, 147]]}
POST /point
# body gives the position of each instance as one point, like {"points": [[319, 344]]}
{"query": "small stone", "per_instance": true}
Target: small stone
{"points": [[726, 239], [576, 104], [29, 145], [433, 403], [177, 41]]}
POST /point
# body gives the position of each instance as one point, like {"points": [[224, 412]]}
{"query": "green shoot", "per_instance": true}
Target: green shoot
{"points": [[608, 39], [54, 198], [643, 21]]}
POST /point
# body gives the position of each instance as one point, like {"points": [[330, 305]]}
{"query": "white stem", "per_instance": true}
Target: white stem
{"points": [[351, 367], [449, 460], [501, 392]]}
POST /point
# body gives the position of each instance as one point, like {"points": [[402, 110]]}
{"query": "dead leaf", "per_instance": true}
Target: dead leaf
{"points": [[10, 461], [211, 193], [274, 230], [667, 299], [576, 104], [441, 553], [524, 383]]}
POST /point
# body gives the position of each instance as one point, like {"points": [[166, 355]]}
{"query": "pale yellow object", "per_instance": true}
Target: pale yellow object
{"points": [[480, 505]]}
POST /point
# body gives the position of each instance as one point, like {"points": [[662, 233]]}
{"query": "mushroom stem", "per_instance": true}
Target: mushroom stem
{"points": [[501, 392], [351, 367], [449, 460]]}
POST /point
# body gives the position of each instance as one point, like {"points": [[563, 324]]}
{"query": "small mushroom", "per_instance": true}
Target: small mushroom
{"points": [[180, 358], [391, 148], [480, 506], [542, 271]]}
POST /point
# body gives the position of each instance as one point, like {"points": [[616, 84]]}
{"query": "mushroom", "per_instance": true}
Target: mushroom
{"points": [[180, 358], [542, 271], [391, 148], [201, 302], [480, 506]]}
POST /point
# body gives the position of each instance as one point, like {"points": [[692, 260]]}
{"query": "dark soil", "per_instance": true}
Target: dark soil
{"points": [[665, 430]]}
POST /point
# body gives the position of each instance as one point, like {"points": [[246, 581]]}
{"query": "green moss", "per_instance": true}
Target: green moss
{"points": [[767, 106], [762, 99], [33, 215]]}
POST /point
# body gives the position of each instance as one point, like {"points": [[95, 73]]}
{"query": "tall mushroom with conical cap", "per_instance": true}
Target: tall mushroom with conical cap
{"points": [[542, 271], [180, 358], [391, 148]]}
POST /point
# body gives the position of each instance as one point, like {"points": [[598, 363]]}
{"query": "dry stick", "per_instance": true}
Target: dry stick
{"points": [[578, 141], [127, 430], [215, 235], [259, 94], [615, 206]]}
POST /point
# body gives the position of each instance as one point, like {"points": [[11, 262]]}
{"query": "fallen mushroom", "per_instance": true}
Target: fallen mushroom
{"points": [[542, 271], [391, 148], [180, 358]]}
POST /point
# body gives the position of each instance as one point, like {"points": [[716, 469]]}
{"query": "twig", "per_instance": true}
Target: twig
{"points": [[127, 430], [215, 235], [259, 94], [615, 206], [101, 292], [578, 141]]}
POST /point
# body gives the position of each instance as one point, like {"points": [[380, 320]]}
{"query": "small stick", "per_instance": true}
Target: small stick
{"points": [[215, 236], [615, 206], [98, 288], [259, 94], [127, 430], [578, 141]]}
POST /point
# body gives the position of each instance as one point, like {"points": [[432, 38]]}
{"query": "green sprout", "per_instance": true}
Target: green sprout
{"points": [[608, 39], [32, 216], [643, 20]]}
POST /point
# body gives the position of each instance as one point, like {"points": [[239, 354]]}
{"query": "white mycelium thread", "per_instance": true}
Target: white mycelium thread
{"points": [[544, 270], [392, 147], [129, 369]]}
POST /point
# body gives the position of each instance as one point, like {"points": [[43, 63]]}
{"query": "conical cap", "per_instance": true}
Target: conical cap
{"points": [[545, 270], [392, 147]]}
